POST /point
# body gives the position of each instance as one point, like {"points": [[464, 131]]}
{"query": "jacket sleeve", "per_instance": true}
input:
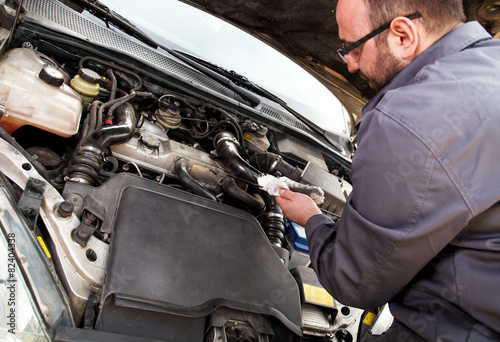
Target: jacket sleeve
{"points": [[406, 206]]}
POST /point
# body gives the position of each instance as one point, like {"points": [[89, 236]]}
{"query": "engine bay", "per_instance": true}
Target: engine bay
{"points": [[151, 211]]}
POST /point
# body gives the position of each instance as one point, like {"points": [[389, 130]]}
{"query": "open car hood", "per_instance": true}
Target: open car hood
{"points": [[307, 32]]}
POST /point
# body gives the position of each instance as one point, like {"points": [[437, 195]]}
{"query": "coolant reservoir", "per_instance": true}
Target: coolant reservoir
{"points": [[34, 91]]}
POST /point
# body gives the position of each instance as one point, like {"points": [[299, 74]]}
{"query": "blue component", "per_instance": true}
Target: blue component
{"points": [[297, 237]]}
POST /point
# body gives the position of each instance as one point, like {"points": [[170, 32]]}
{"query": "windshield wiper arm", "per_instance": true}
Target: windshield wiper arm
{"points": [[249, 98], [238, 79], [243, 81], [104, 13]]}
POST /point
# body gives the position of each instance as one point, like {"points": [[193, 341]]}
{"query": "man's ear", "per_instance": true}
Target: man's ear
{"points": [[403, 38]]}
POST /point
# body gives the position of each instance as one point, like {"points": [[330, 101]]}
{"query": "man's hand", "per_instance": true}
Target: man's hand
{"points": [[298, 208]]}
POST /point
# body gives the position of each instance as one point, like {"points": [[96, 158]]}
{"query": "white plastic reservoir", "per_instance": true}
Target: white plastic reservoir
{"points": [[34, 91]]}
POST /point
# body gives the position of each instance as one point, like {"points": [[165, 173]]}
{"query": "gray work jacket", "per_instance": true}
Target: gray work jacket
{"points": [[421, 228]]}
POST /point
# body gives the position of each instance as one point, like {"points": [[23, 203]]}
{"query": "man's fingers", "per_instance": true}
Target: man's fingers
{"points": [[296, 207]]}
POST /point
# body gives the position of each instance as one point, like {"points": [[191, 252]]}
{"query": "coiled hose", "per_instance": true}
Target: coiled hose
{"points": [[87, 163]]}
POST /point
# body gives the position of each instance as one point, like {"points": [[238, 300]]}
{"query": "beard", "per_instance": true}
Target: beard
{"points": [[388, 66]]}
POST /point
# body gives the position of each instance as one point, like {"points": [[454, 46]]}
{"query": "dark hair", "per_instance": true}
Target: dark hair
{"points": [[438, 16]]}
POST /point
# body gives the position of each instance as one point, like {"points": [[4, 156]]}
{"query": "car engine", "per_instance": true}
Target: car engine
{"points": [[151, 214]]}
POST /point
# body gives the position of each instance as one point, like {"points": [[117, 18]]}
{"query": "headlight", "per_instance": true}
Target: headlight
{"points": [[32, 302], [22, 320]]}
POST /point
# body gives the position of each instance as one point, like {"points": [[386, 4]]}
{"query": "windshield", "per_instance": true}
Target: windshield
{"points": [[180, 26]]}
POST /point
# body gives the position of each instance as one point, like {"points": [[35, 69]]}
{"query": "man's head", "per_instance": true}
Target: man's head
{"points": [[381, 58]]}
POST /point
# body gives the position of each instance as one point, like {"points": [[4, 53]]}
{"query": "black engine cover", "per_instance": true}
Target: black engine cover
{"points": [[177, 257]]}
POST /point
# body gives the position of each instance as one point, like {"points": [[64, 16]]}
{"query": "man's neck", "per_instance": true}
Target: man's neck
{"points": [[427, 40]]}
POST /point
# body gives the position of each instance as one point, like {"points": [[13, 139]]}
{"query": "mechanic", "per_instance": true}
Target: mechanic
{"points": [[421, 229]]}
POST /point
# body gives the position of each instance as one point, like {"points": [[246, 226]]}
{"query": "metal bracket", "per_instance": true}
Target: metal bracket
{"points": [[31, 199], [86, 229]]}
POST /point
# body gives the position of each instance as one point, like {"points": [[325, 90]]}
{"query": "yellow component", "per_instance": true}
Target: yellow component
{"points": [[84, 87], [39, 238], [370, 317], [318, 295], [169, 118], [248, 136], [87, 90], [497, 36]]}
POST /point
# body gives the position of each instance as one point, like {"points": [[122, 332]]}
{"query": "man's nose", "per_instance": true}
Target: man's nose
{"points": [[352, 63]]}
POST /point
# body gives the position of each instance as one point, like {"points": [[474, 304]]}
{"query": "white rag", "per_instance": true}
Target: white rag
{"points": [[273, 185]]}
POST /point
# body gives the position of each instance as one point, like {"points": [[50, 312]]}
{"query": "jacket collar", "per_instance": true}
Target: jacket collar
{"points": [[457, 40]]}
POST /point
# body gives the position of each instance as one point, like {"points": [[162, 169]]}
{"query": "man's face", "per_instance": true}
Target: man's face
{"points": [[388, 66], [373, 60]]}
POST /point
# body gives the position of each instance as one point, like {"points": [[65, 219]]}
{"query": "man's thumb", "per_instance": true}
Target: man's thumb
{"points": [[283, 193]]}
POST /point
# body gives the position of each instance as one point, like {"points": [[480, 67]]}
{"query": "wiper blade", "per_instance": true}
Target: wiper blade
{"points": [[244, 82], [247, 97], [104, 13], [236, 78]]}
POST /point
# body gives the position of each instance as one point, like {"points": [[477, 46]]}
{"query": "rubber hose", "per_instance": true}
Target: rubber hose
{"points": [[189, 182], [226, 149], [270, 163], [254, 202]]}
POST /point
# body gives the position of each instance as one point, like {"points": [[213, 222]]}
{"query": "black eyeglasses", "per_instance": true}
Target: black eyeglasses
{"points": [[344, 50]]}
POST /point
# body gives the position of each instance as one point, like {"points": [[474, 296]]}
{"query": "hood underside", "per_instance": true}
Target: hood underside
{"points": [[306, 31]]}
